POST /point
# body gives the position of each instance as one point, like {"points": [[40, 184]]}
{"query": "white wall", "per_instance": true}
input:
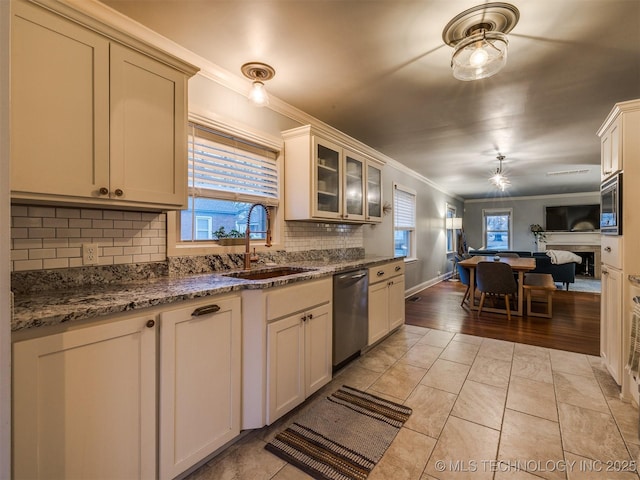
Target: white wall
{"points": [[526, 211]]}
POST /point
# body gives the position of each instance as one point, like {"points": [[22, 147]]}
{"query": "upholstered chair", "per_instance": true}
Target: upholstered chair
{"points": [[496, 279]]}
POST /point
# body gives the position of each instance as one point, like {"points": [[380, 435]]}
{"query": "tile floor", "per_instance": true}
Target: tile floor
{"points": [[482, 409]]}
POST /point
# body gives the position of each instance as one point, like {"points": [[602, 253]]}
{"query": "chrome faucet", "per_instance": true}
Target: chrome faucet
{"points": [[248, 258]]}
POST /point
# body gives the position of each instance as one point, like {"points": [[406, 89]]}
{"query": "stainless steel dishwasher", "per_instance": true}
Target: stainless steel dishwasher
{"points": [[350, 315]]}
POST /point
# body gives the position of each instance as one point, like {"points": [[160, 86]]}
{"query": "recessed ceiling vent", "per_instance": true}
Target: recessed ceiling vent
{"points": [[569, 172]]}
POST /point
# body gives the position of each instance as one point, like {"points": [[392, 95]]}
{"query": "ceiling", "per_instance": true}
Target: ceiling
{"points": [[378, 70]]}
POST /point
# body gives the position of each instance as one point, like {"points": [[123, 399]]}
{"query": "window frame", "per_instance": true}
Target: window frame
{"points": [[489, 212], [176, 247], [412, 251], [450, 234]]}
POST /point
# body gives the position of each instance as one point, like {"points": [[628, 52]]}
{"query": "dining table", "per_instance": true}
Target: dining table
{"points": [[520, 265]]}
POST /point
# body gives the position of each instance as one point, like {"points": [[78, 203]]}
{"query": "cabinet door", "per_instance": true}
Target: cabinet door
{"points": [[200, 361], [59, 106], [285, 366], [353, 187], [327, 179], [378, 311], [374, 194], [396, 302], [148, 130], [610, 150], [611, 322], [84, 403], [318, 348]]}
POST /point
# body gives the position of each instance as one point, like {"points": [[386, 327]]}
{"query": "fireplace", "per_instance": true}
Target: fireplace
{"points": [[590, 254]]}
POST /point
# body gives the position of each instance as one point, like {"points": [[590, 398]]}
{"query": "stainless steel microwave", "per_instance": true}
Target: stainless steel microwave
{"points": [[611, 205]]}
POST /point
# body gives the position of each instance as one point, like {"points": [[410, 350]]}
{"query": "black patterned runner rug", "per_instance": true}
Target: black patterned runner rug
{"points": [[342, 436]]}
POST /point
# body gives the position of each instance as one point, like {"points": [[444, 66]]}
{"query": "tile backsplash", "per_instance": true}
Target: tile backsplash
{"points": [[47, 237], [44, 237]]}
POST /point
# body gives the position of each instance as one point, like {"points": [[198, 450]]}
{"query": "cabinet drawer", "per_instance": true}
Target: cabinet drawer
{"points": [[612, 251], [289, 299], [388, 270]]}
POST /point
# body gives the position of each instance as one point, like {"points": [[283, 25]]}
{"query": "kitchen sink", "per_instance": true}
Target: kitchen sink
{"points": [[263, 274]]}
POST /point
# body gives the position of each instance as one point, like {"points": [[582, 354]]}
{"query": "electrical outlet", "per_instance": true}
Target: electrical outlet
{"points": [[438, 273], [90, 254]]}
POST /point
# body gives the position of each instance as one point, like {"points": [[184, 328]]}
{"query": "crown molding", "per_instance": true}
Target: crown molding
{"points": [[531, 197]]}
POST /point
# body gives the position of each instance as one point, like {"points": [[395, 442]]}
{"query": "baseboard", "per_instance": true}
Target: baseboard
{"points": [[429, 283]]}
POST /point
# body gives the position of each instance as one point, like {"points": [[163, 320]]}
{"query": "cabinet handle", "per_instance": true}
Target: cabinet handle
{"points": [[607, 249], [119, 192], [103, 191], [310, 316], [604, 272], [390, 283], [151, 323], [204, 310], [303, 318], [398, 268], [380, 273]]}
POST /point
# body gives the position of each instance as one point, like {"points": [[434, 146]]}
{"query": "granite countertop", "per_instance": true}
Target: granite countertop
{"points": [[57, 307]]}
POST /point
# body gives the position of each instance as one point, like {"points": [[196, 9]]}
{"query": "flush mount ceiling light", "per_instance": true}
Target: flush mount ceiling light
{"points": [[258, 73], [479, 38], [499, 179]]}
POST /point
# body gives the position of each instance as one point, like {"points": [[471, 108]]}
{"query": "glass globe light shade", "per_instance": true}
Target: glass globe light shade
{"points": [[479, 55], [258, 94]]}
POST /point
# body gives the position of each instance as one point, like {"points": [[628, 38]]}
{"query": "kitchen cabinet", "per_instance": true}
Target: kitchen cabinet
{"points": [[326, 179], [200, 358], [84, 402], [101, 123], [386, 299], [287, 348], [620, 152]]}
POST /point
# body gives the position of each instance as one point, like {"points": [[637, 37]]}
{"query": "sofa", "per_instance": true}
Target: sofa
{"points": [[564, 273]]}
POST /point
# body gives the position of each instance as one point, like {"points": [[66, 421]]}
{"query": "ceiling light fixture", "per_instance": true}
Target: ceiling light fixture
{"points": [[258, 73], [479, 38], [499, 179]]}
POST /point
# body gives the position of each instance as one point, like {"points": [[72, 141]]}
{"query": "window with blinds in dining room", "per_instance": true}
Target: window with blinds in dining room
{"points": [[404, 221], [226, 176]]}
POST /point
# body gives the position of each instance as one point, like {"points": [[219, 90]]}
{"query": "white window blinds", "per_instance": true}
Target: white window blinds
{"points": [[404, 201], [229, 168]]}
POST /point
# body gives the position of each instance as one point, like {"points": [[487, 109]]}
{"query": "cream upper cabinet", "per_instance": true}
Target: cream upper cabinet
{"points": [[374, 193], [93, 122], [610, 150], [327, 180], [84, 402]]}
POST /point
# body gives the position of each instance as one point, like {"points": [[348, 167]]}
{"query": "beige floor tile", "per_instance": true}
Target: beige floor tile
{"points": [[460, 352], [399, 380], [591, 434], [246, 459], [532, 397], [582, 468], [402, 339], [421, 355], [580, 391], [437, 338], [481, 403], [462, 451], [289, 472], [608, 385], [490, 371], [626, 416], [354, 375], [446, 375], [496, 349], [431, 408], [531, 352], [538, 370], [570, 362], [405, 458], [507, 472], [415, 329], [530, 441], [463, 337], [379, 358]]}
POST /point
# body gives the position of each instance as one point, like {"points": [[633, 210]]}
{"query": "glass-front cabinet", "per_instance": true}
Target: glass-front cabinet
{"points": [[325, 179], [374, 193]]}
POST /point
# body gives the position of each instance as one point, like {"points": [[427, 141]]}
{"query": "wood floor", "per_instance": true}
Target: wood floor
{"points": [[575, 325]]}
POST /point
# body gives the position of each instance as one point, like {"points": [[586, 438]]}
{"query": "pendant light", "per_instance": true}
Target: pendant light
{"points": [[259, 73], [499, 179], [479, 38]]}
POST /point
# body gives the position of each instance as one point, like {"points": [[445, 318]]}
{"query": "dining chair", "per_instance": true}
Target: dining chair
{"points": [[465, 279], [496, 279]]}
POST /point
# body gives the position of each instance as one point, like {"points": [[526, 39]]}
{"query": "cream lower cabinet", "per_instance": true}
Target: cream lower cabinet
{"points": [[287, 348], [386, 299], [299, 358], [84, 402], [100, 123], [200, 355], [611, 349]]}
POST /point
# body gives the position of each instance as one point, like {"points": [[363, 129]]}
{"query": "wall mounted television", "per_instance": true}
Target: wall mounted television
{"points": [[572, 218]]}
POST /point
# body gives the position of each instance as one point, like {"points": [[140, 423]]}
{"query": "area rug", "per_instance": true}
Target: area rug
{"points": [[342, 436]]}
